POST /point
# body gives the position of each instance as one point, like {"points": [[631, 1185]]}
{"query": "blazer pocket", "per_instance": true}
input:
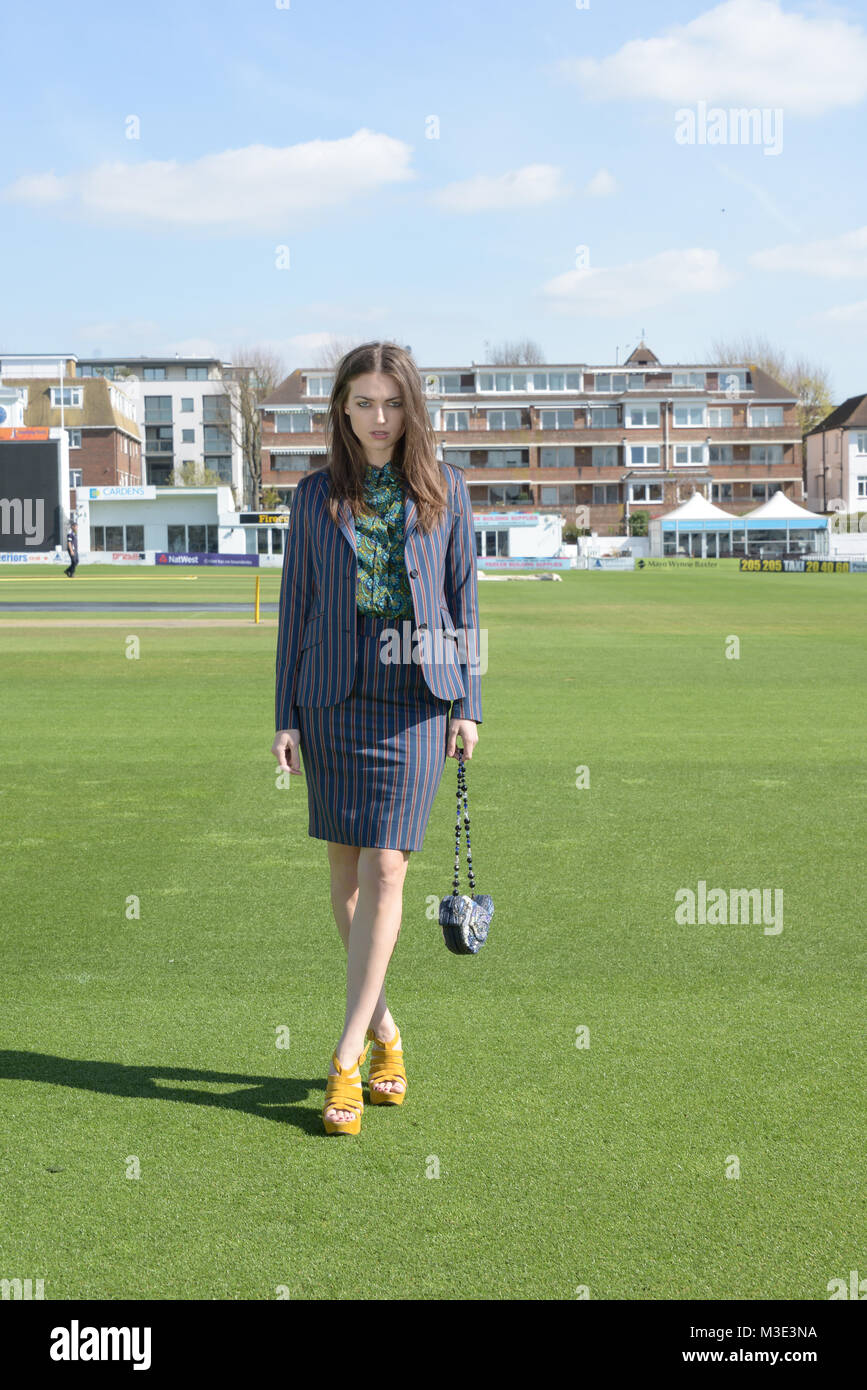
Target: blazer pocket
{"points": [[448, 625], [313, 632]]}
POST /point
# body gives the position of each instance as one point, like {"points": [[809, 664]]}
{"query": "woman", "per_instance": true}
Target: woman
{"points": [[377, 636]]}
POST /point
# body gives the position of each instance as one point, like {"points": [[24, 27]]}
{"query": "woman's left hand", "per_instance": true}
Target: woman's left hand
{"points": [[469, 732]]}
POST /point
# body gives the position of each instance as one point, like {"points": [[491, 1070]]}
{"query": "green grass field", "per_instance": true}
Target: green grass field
{"points": [[148, 1043]]}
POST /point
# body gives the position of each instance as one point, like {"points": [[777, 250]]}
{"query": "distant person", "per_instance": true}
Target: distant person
{"points": [[72, 548]]}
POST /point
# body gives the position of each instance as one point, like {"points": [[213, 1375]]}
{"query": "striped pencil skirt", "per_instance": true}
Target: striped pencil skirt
{"points": [[374, 761]]}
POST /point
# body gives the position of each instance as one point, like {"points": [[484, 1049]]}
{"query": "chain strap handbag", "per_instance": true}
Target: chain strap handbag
{"points": [[465, 918]]}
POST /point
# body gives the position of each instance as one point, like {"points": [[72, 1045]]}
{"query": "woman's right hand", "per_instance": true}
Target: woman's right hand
{"points": [[287, 739]]}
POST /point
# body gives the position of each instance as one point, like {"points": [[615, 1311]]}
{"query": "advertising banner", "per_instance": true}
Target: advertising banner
{"points": [[799, 566], [163, 557], [534, 562]]}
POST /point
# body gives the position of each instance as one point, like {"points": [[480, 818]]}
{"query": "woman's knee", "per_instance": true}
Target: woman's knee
{"points": [[383, 868]]}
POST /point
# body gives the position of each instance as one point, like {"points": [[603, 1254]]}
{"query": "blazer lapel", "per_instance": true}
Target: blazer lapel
{"points": [[346, 522], [409, 517]]}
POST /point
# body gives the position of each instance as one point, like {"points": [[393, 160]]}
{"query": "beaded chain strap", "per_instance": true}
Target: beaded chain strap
{"points": [[465, 918]]}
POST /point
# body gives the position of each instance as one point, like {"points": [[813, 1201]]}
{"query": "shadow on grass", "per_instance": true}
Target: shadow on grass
{"points": [[269, 1097]]}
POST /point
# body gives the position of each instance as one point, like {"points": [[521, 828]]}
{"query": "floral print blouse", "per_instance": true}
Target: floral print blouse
{"points": [[383, 585]]}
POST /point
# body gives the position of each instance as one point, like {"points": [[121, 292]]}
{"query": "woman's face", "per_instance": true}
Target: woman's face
{"points": [[375, 409]]}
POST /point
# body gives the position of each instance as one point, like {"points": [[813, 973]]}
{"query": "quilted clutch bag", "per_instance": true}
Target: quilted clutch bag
{"points": [[465, 917]]}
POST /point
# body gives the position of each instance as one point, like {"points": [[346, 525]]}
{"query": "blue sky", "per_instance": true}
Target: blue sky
{"points": [[283, 186]]}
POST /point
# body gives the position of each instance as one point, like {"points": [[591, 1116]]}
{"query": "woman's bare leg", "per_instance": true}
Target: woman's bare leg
{"points": [[366, 893]]}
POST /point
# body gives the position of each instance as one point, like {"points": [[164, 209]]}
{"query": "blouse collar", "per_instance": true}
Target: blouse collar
{"points": [[378, 476]]}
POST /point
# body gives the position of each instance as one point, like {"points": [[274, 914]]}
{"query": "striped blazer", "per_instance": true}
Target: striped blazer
{"points": [[316, 642]]}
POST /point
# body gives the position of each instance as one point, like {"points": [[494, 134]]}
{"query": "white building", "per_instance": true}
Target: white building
{"points": [[188, 410]]}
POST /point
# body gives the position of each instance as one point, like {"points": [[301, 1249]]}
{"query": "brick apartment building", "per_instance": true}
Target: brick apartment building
{"points": [[610, 441], [99, 417], [836, 462]]}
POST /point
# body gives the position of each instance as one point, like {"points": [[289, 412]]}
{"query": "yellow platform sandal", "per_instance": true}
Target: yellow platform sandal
{"points": [[343, 1092], [386, 1064]]}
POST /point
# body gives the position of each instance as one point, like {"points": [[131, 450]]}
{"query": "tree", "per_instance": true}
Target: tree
{"points": [[329, 353], [523, 352], [259, 372], [195, 474], [806, 380]]}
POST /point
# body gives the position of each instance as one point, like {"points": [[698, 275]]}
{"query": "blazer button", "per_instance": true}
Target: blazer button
{"points": [[413, 574], [422, 625]]}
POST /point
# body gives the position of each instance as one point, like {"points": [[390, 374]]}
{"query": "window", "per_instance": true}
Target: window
{"points": [[291, 463], [689, 415], [619, 381], [221, 464], [689, 454], [641, 455], [642, 415], [459, 457], [71, 396], [492, 543], [186, 403], [766, 414], [733, 380], [719, 417], [689, 379], [459, 420], [861, 486], [188, 436], [500, 419], [722, 492], [293, 422], [154, 373], [604, 417], [509, 493], [556, 381], [158, 410], [215, 409], [766, 453], [562, 495], [159, 439], [197, 373], [720, 453], [112, 538], [319, 385], [74, 439], [604, 494], [192, 540], [861, 443], [554, 456], [506, 458], [557, 419], [604, 455], [75, 477], [646, 492]]}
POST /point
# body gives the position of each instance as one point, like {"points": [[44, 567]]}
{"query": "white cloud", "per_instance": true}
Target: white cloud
{"points": [[834, 257], [638, 284], [845, 315], [744, 52], [602, 185], [518, 188], [255, 188]]}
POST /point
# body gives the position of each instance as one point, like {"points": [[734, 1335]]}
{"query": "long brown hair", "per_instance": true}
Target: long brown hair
{"points": [[413, 461]]}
